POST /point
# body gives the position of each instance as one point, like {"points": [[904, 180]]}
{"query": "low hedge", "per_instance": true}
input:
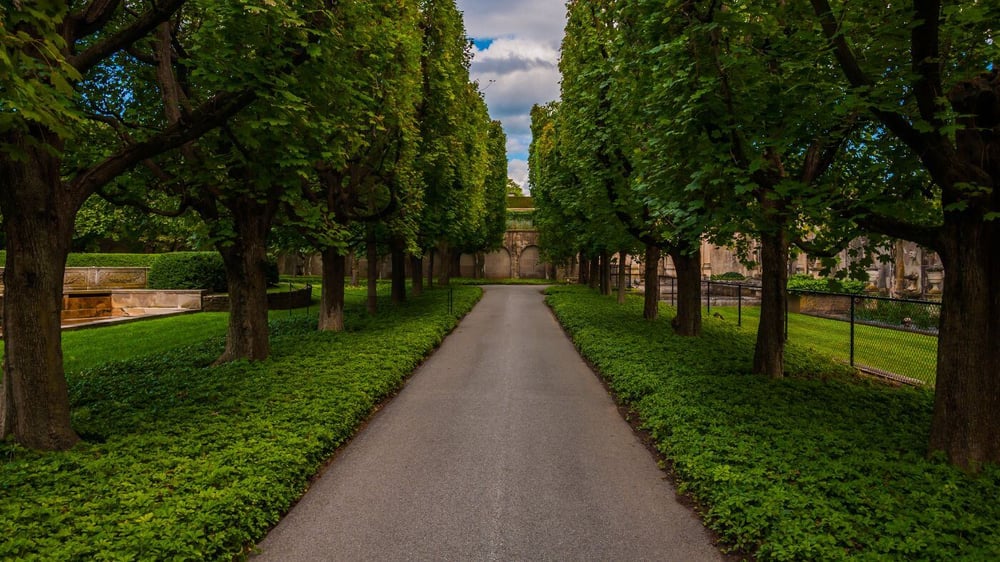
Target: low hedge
{"points": [[184, 461], [817, 466], [188, 270], [824, 284], [102, 260]]}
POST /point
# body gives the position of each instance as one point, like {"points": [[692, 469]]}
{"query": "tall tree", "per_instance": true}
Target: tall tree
{"points": [[926, 71], [51, 58]]}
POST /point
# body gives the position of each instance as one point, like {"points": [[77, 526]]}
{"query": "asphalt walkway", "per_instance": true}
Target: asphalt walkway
{"points": [[503, 446]]}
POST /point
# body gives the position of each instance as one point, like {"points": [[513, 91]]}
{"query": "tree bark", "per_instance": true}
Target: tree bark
{"points": [[769, 352], [331, 309], [687, 322], [430, 267], [444, 278], [583, 270], [417, 275], [966, 420], [38, 222], [651, 281], [372, 256], [594, 277], [605, 273], [355, 265], [398, 270], [245, 259], [621, 276]]}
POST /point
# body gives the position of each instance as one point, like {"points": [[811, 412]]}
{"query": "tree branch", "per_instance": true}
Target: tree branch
{"points": [[924, 50], [208, 116], [146, 22], [90, 19]]}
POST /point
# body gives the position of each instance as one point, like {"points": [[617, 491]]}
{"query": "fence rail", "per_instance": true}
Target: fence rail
{"points": [[887, 337]]}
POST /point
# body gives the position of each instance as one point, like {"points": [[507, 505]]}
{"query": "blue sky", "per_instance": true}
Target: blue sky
{"points": [[515, 60]]}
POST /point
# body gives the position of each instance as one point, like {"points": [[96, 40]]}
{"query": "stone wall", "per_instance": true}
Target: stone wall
{"points": [[100, 278], [275, 301]]}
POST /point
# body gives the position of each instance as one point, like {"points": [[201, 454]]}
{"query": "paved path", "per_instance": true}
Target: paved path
{"points": [[503, 446]]}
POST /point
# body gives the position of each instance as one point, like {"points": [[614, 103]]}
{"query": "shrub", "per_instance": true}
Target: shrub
{"points": [[188, 270], [729, 276], [111, 260], [824, 284]]}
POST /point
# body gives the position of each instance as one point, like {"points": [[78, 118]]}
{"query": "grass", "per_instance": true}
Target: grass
{"points": [[820, 465], [185, 461], [904, 353]]}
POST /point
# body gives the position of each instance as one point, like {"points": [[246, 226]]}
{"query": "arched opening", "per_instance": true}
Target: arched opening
{"points": [[530, 264], [498, 264]]}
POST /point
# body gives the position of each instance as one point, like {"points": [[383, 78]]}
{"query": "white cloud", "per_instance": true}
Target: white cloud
{"points": [[521, 59], [517, 170]]}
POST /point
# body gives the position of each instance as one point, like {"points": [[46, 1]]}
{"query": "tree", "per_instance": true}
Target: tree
{"points": [[514, 190], [927, 74], [51, 57]]}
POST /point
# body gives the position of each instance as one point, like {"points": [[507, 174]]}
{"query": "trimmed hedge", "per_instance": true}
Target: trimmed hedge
{"points": [[189, 270], [824, 284], [816, 466], [184, 461], [102, 260]]}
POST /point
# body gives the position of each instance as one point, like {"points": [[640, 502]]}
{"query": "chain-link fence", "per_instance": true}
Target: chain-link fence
{"points": [[893, 338], [887, 337]]}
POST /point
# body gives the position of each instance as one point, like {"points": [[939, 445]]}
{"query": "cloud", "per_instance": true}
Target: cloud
{"points": [[515, 60], [517, 170]]}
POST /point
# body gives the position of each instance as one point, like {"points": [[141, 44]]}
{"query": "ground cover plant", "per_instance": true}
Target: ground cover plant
{"points": [[820, 465], [505, 281], [910, 354], [184, 461]]}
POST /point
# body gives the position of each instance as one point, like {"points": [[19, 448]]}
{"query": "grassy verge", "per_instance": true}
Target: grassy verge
{"points": [[187, 461], [904, 353], [818, 466]]}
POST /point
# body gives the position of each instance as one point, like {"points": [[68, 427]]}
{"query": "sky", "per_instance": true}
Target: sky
{"points": [[515, 60]]}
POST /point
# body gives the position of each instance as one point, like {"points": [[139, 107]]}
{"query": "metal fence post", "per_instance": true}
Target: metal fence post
{"points": [[708, 297], [786, 313], [672, 290], [451, 300], [852, 331], [739, 304]]}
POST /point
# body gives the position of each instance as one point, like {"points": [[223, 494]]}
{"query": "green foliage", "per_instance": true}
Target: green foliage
{"points": [[803, 282], [111, 260], [924, 316], [187, 461], [729, 276], [817, 466], [189, 270]]}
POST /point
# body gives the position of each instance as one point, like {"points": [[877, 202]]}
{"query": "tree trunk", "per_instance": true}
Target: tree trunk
{"points": [[966, 422], [621, 276], [605, 273], [331, 308], [583, 270], [430, 267], [372, 256], [355, 265], [246, 278], [38, 214], [417, 275], [398, 270], [651, 281], [445, 277], [769, 352], [594, 277], [687, 322]]}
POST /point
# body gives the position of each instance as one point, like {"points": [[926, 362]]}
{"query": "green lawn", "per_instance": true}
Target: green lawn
{"points": [[89, 347], [185, 461], [820, 465], [909, 354]]}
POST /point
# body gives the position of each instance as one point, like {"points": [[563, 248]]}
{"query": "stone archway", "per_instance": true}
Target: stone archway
{"points": [[498, 264], [530, 264]]}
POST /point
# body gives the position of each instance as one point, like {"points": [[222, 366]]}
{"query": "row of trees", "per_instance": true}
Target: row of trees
{"points": [[791, 126], [329, 121]]}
